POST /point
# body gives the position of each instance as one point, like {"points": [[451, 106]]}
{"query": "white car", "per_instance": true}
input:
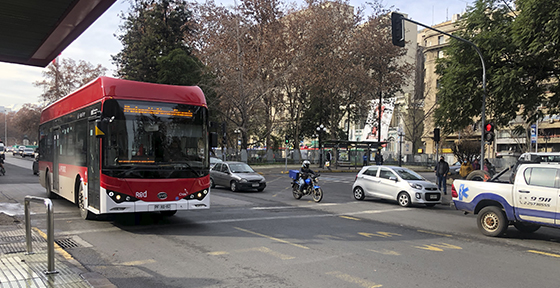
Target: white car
{"points": [[395, 183], [28, 152]]}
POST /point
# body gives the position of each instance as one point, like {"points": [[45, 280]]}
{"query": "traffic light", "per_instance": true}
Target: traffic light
{"points": [[287, 140], [489, 132], [436, 135], [397, 27]]}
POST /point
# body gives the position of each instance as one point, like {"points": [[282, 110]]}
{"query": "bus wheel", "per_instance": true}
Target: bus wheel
{"points": [[84, 213], [49, 193], [168, 213]]}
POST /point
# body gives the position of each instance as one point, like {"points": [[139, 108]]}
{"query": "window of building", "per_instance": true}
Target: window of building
{"points": [[441, 40], [440, 54]]}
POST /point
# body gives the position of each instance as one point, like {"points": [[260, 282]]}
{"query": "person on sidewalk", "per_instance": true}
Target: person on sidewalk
{"points": [[466, 168], [442, 169]]}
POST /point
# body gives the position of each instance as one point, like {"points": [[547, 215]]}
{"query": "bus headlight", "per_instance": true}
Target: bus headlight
{"points": [[120, 197], [197, 195]]}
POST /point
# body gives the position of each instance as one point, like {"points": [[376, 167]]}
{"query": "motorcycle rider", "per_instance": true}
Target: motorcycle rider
{"points": [[304, 174]]}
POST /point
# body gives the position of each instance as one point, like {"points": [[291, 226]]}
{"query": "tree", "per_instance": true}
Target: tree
{"points": [[155, 47], [26, 120], [65, 76], [521, 56]]}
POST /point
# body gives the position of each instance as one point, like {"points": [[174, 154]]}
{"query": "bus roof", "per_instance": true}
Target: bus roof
{"points": [[107, 87]]}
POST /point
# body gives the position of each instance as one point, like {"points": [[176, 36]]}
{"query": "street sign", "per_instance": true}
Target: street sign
{"points": [[533, 133]]}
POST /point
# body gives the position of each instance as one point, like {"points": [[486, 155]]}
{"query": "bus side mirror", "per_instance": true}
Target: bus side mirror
{"points": [[213, 139], [100, 127]]}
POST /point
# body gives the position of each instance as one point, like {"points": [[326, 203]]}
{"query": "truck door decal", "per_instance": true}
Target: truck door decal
{"points": [[463, 192]]}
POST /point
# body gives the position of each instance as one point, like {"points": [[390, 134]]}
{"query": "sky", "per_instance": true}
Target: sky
{"points": [[98, 43]]}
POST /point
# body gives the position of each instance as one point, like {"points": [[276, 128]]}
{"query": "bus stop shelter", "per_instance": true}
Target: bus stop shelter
{"points": [[346, 153]]}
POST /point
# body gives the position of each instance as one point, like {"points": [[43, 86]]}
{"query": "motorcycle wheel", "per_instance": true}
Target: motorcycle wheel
{"points": [[295, 191], [317, 195]]}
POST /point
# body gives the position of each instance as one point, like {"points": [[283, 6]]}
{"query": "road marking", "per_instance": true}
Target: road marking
{"points": [[379, 234], [544, 253], [77, 232], [438, 247], [329, 237], [354, 280], [386, 252], [351, 218], [57, 248], [257, 249], [294, 207], [272, 238], [434, 233], [138, 263]]}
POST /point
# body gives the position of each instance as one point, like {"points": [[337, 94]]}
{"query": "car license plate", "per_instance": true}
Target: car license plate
{"points": [[433, 196], [255, 184], [163, 207]]}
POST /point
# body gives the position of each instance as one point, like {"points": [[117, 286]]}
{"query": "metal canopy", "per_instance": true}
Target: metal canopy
{"points": [[34, 32]]}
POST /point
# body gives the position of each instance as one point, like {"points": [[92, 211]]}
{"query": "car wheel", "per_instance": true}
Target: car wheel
{"points": [[359, 193], [526, 228], [404, 199], [479, 175], [233, 186], [492, 221], [212, 184]]}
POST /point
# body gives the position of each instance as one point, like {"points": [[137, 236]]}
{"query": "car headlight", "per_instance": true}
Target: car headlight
{"points": [[415, 186], [243, 180]]}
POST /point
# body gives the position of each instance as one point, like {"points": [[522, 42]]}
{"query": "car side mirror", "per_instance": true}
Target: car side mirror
{"points": [[394, 178]]}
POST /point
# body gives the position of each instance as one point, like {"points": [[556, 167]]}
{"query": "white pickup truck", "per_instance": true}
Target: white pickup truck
{"points": [[530, 202]]}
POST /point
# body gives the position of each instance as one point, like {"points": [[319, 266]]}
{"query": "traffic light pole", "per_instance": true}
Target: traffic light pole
{"points": [[483, 112]]}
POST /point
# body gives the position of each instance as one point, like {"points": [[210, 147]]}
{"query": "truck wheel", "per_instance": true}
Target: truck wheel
{"points": [[479, 175], [526, 228], [492, 221]]}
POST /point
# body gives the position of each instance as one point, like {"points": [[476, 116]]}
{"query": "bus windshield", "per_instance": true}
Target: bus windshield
{"points": [[154, 140]]}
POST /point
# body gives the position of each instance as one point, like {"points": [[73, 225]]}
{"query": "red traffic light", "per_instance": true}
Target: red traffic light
{"points": [[489, 127]]}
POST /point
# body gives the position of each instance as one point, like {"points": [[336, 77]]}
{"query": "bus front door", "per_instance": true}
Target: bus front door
{"points": [[93, 167], [58, 151]]}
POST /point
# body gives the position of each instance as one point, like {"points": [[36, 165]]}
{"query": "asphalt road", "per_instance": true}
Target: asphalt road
{"points": [[270, 239]]}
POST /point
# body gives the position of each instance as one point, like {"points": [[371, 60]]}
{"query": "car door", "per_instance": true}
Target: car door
{"points": [[369, 181], [225, 174], [388, 187], [536, 195], [215, 173]]}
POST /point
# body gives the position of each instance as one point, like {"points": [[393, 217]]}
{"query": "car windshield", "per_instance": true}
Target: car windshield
{"points": [[240, 168], [214, 160], [28, 150], [407, 174]]}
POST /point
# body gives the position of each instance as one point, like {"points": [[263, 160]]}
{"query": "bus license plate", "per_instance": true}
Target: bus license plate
{"points": [[163, 207], [433, 196], [255, 184]]}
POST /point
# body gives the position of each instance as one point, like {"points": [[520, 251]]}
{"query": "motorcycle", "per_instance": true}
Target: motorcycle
{"points": [[312, 188]]}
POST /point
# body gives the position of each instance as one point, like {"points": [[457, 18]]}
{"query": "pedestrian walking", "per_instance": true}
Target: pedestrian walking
{"points": [[442, 169], [466, 168], [365, 159]]}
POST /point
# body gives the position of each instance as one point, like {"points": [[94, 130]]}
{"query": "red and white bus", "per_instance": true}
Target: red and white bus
{"points": [[119, 146]]}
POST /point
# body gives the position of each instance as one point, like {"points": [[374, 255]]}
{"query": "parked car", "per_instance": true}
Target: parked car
{"points": [[19, 151], [395, 183], [28, 152], [454, 169], [214, 161], [237, 176]]}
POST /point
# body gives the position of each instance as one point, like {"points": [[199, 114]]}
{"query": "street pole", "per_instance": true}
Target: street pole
{"points": [[483, 112]]}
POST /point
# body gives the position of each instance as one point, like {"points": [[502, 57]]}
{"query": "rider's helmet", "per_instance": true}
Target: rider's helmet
{"points": [[306, 164]]}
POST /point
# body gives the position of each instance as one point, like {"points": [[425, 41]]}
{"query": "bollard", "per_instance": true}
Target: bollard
{"points": [[50, 230]]}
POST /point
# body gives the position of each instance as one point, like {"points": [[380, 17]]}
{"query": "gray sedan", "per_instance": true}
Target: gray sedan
{"points": [[237, 176]]}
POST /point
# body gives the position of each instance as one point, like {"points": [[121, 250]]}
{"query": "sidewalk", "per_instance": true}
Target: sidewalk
{"points": [[20, 269]]}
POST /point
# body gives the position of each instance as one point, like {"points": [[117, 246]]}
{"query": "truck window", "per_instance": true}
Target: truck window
{"points": [[545, 177]]}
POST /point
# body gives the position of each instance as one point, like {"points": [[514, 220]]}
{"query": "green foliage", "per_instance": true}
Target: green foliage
{"points": [[521, 56], [154, 37]]}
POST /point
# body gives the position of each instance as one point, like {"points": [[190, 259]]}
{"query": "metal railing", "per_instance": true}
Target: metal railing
{"points": [[50, 230]]}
